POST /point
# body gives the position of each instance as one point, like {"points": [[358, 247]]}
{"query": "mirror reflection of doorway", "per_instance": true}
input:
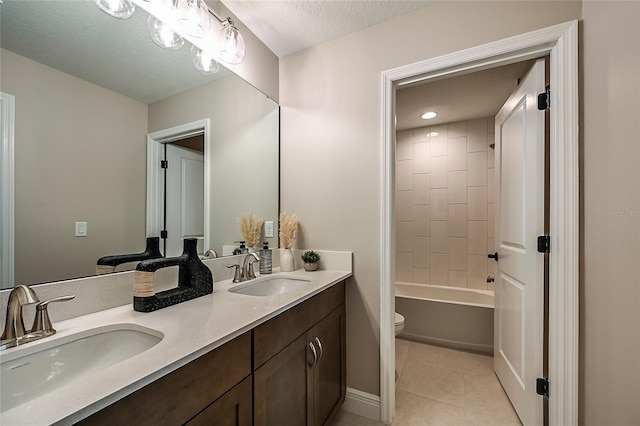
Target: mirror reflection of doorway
{"points": [[184, 194]]}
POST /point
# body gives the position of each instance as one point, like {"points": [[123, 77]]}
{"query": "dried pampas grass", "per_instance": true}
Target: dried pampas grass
{"points": [[251, 228], [288, 228]]}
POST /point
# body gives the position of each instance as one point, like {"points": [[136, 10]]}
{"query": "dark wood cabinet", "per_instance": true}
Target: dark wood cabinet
{"points": [[305, 382], [298, 361]]}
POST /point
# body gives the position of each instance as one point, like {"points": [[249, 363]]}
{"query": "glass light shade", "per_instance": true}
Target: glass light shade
{"points": [[193, 17], [233, 48], [204, 62], [121, 9], [164, 36]]}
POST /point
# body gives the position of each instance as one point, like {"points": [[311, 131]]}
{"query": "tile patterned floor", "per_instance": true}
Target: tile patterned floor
{"points": [[439, 386]]}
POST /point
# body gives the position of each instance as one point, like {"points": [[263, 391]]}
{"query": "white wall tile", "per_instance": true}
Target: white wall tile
{"points": [[421, 134], [439, 142], [421, 275], [477, 237], [457, 129], [457, 220], [457, 187], [458, 278], [404, 268], [477, 135], [439, 172], [404, 175], [404, 145], [404, 205], [477, 272], [404, 236], [491, 185], [457, 254], [476, 203], [421, 157], [439, 269], [421, 256], [477, 169], [457, 154], [439, 204], [421, 220], [421, 188], [439, 236]]}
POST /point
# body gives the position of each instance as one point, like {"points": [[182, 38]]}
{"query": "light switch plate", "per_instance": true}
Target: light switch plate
{"points": [[268, 229], [81, 229]]}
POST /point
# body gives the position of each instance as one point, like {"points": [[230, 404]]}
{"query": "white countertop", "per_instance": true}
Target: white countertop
{"points": [[190, 329]]}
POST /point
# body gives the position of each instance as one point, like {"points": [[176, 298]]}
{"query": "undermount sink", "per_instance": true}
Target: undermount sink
{"points": [[35, 374], [272, 285]]}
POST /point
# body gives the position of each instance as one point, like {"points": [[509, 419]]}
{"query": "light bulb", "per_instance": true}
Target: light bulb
{"points": [[121, 9], [193, 17], [204, 62], [164, 36], [233, 48]]}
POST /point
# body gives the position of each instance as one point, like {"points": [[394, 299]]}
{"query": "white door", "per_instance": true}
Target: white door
{"points": [[184, 199], [519, 287]]}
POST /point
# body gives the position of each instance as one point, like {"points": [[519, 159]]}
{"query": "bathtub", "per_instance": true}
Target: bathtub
{"points": [[449, 316]]}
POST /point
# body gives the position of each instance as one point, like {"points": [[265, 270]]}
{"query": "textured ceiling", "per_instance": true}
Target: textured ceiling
{"points": [[289, 26], [77, 38]]}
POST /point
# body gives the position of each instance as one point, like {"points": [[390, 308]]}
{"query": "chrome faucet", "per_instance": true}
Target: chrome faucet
{"points": [[14, 331]]}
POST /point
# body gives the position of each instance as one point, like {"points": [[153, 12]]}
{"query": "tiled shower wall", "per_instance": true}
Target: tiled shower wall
{"points": [[445, 204]]}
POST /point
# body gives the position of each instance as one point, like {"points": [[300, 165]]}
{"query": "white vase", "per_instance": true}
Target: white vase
{"points": [[287, 264]]}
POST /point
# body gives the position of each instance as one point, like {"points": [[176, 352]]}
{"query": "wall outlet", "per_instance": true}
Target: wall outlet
{"points": [[268, 229], [81, 229]]}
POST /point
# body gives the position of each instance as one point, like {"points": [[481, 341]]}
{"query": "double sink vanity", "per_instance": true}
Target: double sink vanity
{"points": [[267, 351]]}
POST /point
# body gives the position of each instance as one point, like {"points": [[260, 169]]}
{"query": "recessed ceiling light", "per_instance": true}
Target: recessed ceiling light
{"points": [[429, 115]]}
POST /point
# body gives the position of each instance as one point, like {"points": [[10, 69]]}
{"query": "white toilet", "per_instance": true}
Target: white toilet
{"points": [[399, 323]]}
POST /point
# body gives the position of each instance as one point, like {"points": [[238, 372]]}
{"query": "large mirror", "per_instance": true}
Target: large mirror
{"points": [[88, 89]]}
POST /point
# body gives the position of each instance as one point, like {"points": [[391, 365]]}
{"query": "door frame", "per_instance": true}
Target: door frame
{"points": [[7, 189], [155, 181], [560, 42]]}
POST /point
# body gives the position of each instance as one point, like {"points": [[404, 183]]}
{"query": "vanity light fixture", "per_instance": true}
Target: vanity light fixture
{"points": [[193, 17], [204, 62], [429, 115], [233, 48], [121, 9], [164, 36]]}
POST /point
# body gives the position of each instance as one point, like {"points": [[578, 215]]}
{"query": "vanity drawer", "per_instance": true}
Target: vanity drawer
{"points": [[177, 397], [274, 335]]}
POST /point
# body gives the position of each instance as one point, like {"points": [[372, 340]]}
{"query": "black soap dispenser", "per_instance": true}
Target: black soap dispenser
{"points": [[265, 259], [242, 249]]}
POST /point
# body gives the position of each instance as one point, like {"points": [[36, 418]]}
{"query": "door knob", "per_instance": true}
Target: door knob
{"points": [[493, 256]]}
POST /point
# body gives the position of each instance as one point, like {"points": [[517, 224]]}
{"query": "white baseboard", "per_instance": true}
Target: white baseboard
{"points": [[362, 403]]}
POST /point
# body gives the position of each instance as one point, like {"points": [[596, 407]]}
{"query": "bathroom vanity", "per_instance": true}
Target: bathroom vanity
{"points": [[226, 358]]}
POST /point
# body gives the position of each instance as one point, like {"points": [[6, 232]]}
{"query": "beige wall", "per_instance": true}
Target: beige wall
{"points": [[610, 228], [79, 156], [445, 204], [243, 154], [330, 137]]}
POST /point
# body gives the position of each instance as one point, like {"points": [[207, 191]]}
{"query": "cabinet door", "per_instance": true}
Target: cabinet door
{"points": [[283, 387], [234, 408], [329, 373]]}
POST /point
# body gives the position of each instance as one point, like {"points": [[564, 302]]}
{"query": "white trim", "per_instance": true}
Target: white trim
{"points": [[362, 403], [155, 183], [7, 191], [561, 42]]}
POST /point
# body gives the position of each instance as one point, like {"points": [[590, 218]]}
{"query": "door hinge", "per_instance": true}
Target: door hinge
{"points": [[542, 386], [544, 244], [164, 164], [544, 99], [163, 233]]}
